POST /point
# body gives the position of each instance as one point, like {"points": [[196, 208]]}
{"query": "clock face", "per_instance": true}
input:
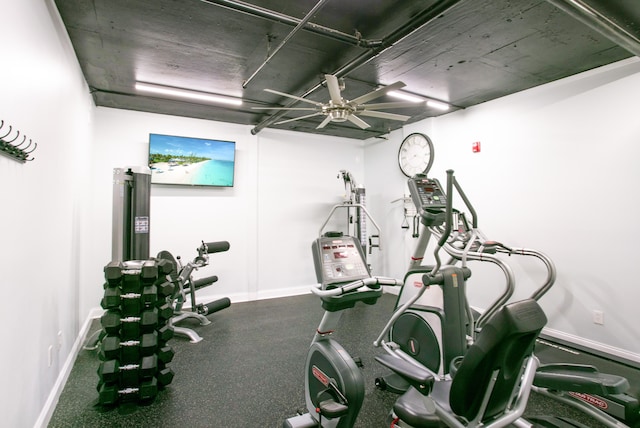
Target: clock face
{"points": [[415, 155]]}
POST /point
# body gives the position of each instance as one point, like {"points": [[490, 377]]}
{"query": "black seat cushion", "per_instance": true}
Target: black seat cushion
{"points": [[503, 344]]}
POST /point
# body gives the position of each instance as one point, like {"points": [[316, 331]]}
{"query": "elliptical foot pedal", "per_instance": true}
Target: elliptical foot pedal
{"points": [[392, 383]]}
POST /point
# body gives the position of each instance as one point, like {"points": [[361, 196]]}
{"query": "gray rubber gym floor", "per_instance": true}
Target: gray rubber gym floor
{"points": [[248, 371]]}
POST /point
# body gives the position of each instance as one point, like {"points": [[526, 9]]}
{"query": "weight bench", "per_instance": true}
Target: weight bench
{"points": [[186, 285]]}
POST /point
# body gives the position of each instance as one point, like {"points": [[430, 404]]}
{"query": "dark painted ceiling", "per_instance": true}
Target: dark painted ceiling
{"points": [[464, 52]]}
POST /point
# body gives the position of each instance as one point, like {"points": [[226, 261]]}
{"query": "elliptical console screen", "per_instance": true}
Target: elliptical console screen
{"points": [[339, 260], [428, 197]]}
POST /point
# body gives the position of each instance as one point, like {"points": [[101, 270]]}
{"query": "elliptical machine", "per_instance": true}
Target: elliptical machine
{"points": [[463, 241], [438, 325], [334, 385]]}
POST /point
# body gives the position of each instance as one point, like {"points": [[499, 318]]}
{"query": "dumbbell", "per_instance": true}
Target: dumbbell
{"points": [[164, 334], [129, 327], [165, 376], [165, 354], [134, 303], [111, 348], [113, 273], [165, 288], [110, 393], [111, 371], [158, 337], [149, 271], [131, 282], [111, 298], [165, 267], [131, 303], [165, 311]]}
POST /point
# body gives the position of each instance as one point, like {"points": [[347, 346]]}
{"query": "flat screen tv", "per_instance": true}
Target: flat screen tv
{"points": [[191, 161]]}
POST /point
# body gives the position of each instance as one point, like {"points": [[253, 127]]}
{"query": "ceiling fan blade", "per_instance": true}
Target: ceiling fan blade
{"points": [[297, 118], [382, 106], [324, 122], [334, 88], [294, 97], [285, 108], [377, 93], [384, 115], [355, 119]]}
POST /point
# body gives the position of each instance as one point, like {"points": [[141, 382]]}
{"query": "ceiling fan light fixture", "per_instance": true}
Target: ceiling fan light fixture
{"points": [[339, 115], [438, 105], [187, 94]]}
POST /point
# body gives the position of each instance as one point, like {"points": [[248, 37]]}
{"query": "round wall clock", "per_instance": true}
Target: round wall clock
{"points": [[415, 155]]}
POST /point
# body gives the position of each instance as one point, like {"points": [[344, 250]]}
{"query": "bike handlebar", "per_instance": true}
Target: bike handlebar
{"points": [[354, 285]]}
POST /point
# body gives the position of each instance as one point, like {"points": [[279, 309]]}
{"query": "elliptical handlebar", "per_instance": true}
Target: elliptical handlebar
{"points": [[448, 221], [551, 269]]}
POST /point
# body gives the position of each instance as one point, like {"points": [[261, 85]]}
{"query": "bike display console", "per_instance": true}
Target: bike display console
{"points": [[339, 259]]}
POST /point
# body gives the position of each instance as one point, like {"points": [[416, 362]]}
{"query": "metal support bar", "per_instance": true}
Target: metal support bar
{"points": [[597, 21], [298, 27], [260, 12]]}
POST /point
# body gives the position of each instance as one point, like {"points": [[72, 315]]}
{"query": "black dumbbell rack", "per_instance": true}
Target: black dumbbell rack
{"points": [[134, 354]]}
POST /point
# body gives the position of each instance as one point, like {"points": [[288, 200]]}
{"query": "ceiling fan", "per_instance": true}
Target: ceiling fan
{"points": [[337, 109]]}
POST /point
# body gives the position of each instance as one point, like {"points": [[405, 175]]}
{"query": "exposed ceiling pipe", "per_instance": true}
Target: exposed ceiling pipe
{"points": [[591, 17], [298, 27], [417, 22], [260, 12]]}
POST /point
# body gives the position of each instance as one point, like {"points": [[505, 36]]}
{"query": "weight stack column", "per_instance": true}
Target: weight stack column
{"points": [[134, 352]]}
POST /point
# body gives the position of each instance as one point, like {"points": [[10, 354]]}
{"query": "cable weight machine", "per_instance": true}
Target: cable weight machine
{"points": [[131, 207], [357, 214]]}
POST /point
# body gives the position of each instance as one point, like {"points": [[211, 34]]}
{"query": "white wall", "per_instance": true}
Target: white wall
{"points": [[285, 185], [44, 97], [297, 187], [558, 172]]}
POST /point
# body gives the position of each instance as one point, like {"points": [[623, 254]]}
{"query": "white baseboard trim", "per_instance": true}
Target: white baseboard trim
{"points": [[260, 295], [588, 344], [52, 400]]}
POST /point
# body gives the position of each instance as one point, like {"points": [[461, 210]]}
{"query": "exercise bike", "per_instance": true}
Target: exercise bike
{"points": [[186, 285], [334, 385]]}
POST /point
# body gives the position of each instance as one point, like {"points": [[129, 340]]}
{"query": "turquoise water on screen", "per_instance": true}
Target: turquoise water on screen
{"points": [[215, 173]]}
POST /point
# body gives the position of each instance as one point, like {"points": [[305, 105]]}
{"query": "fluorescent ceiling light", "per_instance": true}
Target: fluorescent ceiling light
{"points": [[405, 96], [416, 99], [185, 93], [438, 105]]}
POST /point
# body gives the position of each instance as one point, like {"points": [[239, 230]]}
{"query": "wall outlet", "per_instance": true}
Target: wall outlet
{"points": [[598, 317], [59, 339]]}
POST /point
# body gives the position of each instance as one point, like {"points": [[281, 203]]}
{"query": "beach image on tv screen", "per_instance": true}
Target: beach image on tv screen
{"points": [[191, 161]]}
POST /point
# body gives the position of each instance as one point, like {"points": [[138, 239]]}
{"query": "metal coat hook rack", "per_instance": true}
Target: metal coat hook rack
{"points": [[13, 147]]}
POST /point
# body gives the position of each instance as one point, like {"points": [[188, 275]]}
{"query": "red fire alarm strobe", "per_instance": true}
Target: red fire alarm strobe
{"points": [[475, 147]]}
